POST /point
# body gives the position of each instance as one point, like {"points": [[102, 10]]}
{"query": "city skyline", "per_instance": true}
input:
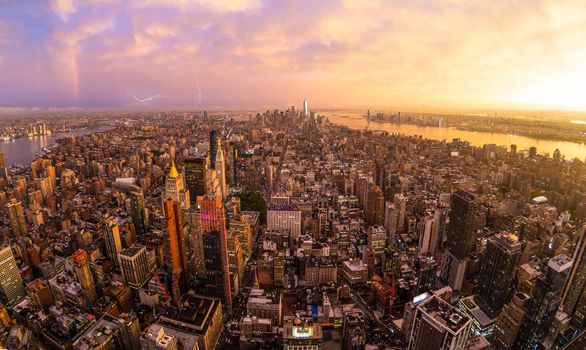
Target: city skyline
{"points": [[338, 54]]}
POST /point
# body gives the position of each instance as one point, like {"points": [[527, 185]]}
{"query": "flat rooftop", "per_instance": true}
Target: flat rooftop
{"points": [[445, 314], [132, 250], [508, 241], [560, 263], [283, 207]]}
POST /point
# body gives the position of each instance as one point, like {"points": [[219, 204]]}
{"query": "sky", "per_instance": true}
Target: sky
{"points": [[417, 54]]}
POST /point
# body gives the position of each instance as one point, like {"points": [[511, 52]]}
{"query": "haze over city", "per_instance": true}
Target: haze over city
{"points": [[444, 54]]}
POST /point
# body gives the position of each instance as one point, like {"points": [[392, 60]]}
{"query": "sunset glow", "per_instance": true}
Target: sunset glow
{"points": [[253, 53]]}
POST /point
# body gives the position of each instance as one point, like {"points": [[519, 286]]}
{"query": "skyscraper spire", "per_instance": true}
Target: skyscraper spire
{"points": [[173, 173], [221, 169]]}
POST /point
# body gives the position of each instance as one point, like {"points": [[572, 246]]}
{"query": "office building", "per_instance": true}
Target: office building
{"points": [[265, 305], [355, 272], [220, 167], [112, 239], [174, 188], [544, 302], [509, 322], [496, 278], [139, 212], [391, 219], [460, 240], [155, 338], [215, 247], [112, 333], [285, 217], [302, 334], [11, 285], [175, 242], [84, 275], [438, 325], [576, 285], [240, 226], [354, 334], [196, 176], [215, 142], [134, 265], [401, 205], [40, 293], [426, 275], [197, 324], [377, 239], [17, 218], [426, 233], [374, 210]]}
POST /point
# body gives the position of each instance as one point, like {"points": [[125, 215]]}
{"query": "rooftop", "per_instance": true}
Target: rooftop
{"points": [[445, 314], [132, 250], [508, 241], [560, 263], [283, 207]]}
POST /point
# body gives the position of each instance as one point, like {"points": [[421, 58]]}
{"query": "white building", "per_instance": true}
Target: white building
{"points": [[11, 286], [285, 217]]}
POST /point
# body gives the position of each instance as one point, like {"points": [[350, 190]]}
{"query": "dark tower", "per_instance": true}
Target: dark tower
{"points": [[497, 271], [460, 228], [544, 302], [214, 136], [212, 222], [139, 212], [196, 172]]}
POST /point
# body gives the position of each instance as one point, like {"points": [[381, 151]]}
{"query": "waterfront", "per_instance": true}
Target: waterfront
{"points": [[23, 150], [569, 150]]}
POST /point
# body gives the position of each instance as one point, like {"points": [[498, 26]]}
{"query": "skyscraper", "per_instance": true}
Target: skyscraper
{"points": [[509, 322], [215, 140], [375, 207], [576, 284], [426, 275], [11, 286], [305, 109], [112, 239], [134, 265], [139, 212], [438, 325], [174, 240], [544, 302], [400, 203], [17, 218], [497, 272], [84, 275], [174, 224], [174, 188], [220, 167], [215, 247], [460, 240], [196, 176]]}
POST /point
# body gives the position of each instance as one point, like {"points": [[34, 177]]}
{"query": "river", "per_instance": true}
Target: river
{"points": [[569, 150], [23, 150]]}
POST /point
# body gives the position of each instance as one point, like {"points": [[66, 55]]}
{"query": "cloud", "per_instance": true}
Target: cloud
{"points": [[63, 8], [441, 53]]}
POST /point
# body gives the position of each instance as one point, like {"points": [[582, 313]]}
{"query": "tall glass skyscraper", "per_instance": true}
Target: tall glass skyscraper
{"points": [[196, 173]]}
